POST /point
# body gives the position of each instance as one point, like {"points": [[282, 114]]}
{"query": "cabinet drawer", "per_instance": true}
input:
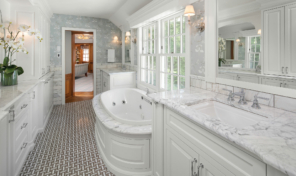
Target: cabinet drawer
{"points": [[235, 160], [21, 123], [21, 105], [20, 145]]}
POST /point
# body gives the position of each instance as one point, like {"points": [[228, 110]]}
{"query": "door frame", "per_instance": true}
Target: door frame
{"points": [[64, 29]]}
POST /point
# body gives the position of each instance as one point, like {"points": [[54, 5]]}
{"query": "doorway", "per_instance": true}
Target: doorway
{"points": [[79, 57]]}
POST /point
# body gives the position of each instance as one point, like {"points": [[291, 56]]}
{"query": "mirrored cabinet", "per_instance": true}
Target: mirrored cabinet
{"points": [[258, 45]]}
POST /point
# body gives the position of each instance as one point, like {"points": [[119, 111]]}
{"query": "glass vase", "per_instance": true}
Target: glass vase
{"points": [[9, 80]]}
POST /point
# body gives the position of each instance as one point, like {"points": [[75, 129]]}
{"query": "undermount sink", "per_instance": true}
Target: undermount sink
{"points": [[229, 115]]}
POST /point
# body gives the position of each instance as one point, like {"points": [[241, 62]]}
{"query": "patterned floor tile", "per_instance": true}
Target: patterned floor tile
{"points": [[67, 146]]}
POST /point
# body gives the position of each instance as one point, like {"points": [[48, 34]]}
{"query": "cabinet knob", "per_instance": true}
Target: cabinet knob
{"points": [[24, 146], [24, 125], [24, 106]]}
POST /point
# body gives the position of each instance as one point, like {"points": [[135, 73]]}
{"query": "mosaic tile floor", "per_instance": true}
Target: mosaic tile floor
{"points": [[67, 146]]}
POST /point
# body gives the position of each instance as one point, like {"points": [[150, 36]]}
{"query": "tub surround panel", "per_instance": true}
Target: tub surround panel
{"points": [[272, 140]]}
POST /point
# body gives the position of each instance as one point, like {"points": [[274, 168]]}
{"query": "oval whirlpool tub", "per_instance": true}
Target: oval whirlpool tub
{"points": [[123, 131]]}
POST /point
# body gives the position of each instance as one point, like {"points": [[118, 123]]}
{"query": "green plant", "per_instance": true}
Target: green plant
{"points": [[12, 44]]}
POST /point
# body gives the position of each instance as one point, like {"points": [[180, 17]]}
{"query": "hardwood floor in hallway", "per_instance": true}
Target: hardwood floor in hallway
{"points": [[80, 96]]}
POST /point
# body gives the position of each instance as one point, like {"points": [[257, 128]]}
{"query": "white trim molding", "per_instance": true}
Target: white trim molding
{"points": [[64, 29]]}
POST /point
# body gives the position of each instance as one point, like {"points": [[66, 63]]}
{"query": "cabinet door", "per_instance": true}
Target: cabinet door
{"points": [[272, 82], [179, 158], [289, 84], [210, 167], [274, 41], [290, 58], [4, 145]]}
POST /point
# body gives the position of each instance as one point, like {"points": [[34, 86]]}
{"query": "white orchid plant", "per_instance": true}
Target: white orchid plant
{"points": [[222, 47], [13, 43]]}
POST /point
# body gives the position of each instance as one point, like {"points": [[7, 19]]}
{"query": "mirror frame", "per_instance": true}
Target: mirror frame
{"points": [[211, 61]]}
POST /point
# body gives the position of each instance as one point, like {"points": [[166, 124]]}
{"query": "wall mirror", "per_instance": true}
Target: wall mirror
{"points": [[127, 44], [256, 41]]}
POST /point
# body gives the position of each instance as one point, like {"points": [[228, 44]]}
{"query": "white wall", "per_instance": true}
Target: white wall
{"points": [[5, 9], [68, 52]]}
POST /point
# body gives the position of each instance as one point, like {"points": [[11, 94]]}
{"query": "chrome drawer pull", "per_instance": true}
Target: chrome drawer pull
{"points": [[24, 146], [13, 116], [287, 70], [200, 166], [24, 125], [24, 106], [192, 162]]}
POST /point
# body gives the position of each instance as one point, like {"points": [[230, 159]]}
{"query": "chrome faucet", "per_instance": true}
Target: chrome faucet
{"points": [[230, 96], [241, 94], [256, 103]]}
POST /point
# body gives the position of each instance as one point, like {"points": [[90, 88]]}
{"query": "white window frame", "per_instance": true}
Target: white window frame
{"points": [[158, 52], [254, 53]]}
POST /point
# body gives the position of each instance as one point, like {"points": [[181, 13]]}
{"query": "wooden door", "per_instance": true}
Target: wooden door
{"points": [[179, 158], [274, 41], [290, 52], [69, 85]]}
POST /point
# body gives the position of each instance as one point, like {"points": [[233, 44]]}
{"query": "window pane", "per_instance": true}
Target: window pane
{"points": [[172, 41], [166, 28], [178, 44], [175, 83], [143, 62], [183, 24], [163, 64], [162, 80], [175, 65], [150, 73], [154, 62], [152, 47], [153, 32], [169, 84], [258, 40], [257, 57], [257, 48], [252, 57], [171, 27], [169, 64], [256, 63], [149, 47], [182, 82], [253, 48], [178, 25], [143, 75], [251, 64], [144, 34], [145, 47], [182, 66], [166, 45], [149, 33], [154, 78], [183, 44]]}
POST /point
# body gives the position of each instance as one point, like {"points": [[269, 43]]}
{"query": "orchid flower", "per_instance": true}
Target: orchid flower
{"points": [[24, 28]]}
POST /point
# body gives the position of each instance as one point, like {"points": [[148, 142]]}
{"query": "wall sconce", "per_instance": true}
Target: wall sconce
{"points": [[127, 33], [134, 40], [259, 32], [115, 39], [189, 11]]}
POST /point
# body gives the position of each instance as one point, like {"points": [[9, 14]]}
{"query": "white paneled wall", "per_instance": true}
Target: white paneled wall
{"points": [[37, 62]]}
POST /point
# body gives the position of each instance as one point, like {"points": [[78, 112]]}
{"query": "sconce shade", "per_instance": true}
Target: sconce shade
{"points": [[115, 38], [189, 10], [237, 40], [127, 34], [259, 32]]}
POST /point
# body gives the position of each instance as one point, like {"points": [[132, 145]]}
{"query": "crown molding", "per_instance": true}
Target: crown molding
{"points": [[43, 6], [155, 10]]}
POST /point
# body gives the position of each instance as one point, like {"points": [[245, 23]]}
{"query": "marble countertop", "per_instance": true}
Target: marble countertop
{"points": [[9, 94], [272, 139], [113, 124], [116, 71]]}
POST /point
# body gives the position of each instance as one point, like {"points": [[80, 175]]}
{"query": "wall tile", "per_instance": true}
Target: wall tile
{"points": [[285, 103]]}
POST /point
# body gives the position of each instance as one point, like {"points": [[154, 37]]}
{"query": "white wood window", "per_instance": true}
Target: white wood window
{"points": [[254, 51], [85, 55], [173, 55], [148, 57]]}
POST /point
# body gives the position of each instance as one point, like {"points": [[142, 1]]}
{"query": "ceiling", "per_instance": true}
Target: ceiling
{"points": [[115, 10]]}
